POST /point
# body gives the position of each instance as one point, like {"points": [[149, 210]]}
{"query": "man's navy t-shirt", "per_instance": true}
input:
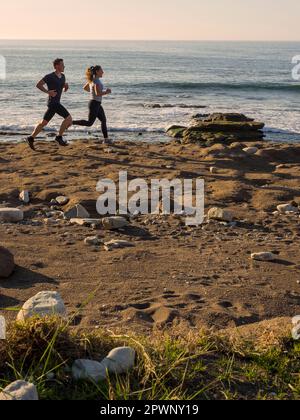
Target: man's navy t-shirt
{"points": [[53, 82]]}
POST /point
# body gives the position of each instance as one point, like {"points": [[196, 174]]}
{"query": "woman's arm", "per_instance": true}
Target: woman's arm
{"points": [[87, 88], [100, 92]]}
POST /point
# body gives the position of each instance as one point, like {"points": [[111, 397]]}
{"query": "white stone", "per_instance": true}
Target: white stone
{"points": [[220, 214], [42, 304], [284, 208], [296, 330], [120, 360], [62, 200], [19, 391], [12, 215], [24, 197], [264, 256], [116, 222], [250, 150], [92, 240], [89, 370], [296, 320], [86, 222], [115, 244]]}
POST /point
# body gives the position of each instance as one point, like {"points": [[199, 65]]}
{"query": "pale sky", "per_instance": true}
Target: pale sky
{"points": [[151, 19]]}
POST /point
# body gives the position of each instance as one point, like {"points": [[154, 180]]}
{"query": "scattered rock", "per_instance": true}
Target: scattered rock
{"points": [[114, 223], [19, 391], [263, 256], [11, 215], [250, 150], [7, 263], [120, 360], [86, 222], [77, 212], [92, 240], [62, 200], [115, 244], [284, 208], [42, 304], [89, 370], [216, 213], [24, 196]]}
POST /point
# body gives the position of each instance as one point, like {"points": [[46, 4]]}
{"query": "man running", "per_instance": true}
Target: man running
{"points": [[56, 84]]}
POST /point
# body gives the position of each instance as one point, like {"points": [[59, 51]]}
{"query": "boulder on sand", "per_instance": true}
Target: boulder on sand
{"points": [[225, 128], [7, 263]]}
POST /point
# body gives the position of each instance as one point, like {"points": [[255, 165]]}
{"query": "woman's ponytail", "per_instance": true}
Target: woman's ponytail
{"points": [[91, 73]]}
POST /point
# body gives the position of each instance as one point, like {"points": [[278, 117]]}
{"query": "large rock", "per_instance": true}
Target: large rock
{"points": [[7, 263], [12, 215], [89, 370], [217, 213], [42, 304], [19, 391], [225, 128]]}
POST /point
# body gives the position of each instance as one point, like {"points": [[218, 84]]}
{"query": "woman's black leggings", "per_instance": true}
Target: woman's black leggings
{"points": [[95, 111]]}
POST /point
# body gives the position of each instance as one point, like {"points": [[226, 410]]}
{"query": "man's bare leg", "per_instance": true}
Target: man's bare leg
{"points": [[65, 125], [39, 128]]}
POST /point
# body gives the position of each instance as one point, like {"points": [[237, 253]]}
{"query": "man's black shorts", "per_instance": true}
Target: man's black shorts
{"points": [[56, 109]]}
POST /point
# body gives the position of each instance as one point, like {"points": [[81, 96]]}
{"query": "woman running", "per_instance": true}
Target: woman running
{"points": [[97, 91]]}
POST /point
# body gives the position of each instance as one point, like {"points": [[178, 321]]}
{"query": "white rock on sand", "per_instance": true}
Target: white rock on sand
{"points": [[92, 240], [19, 391], [89, 370], [24, 196], [42, 304], [86, 222], [115, 244], [116, 222], [250, 150], [216, 213], [12, 215], [263, 256], [62, 200], [285, 208]]}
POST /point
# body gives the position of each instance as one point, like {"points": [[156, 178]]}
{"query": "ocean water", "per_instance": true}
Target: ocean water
{"points": [[155, 84]]}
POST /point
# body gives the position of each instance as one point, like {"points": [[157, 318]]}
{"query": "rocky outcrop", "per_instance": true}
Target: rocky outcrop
{"points": [[219, 128]]}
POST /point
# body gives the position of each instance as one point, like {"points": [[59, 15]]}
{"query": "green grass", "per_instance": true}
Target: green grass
{"points": [[168, 367]]}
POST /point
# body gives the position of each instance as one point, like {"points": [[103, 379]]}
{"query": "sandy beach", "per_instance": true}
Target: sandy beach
{"points": [[191, 277]]}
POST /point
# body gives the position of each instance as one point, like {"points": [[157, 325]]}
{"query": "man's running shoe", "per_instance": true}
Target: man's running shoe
{"points": [[30, 142], [61, 141]]}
